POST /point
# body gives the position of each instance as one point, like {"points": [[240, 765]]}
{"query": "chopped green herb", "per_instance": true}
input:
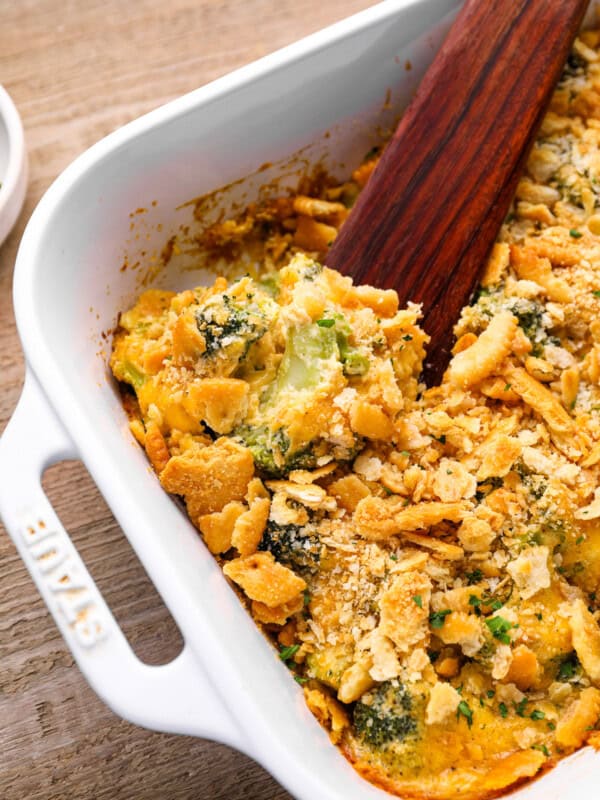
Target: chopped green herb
{"points": [[579, 539], [567, 667], [418, 600], [503, 710], [407, 337], [520, 707], [551, 726], [299, 679], [499, 627], [507, 386], [288, 652], [542, 748], [596, 292], [539, 616], [393, 556], [325, 323], [474, 577], [575, 234], [464, 710], [537, 714], [476, 603], [490, 693], [437, 618]]}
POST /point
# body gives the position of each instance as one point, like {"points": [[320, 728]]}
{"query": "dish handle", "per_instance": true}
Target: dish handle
{"points": [[175, 697]]}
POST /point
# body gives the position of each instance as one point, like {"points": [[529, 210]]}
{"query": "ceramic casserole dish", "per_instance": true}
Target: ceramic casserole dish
{"points": [[328, 99]]}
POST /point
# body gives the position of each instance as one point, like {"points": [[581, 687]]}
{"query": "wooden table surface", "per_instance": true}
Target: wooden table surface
{"points": [[78, 69]]}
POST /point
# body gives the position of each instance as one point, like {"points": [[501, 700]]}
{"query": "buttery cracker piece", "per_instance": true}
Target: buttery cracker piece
{"points": [[156, 447], [466, 340], [524, 670], [383, 655], [465, 630], [373, 518], [530, 571], [250, 526], [499, 454], [591, 511], [209, 478], [574, 724], [328, 711], [499, 389], [369, 420], [278, 615], [475, 535], [412, 560], [497, 264], [355, 681], [424, 515], [264, 580], [586, 638], [376, 518], [501, 662], [256, 489], [544, 403], [532, 267], [592, 458], [216, 528], [439, 549], [540, 369], [313, 236], [479, 361], [404, 610], [314, 207], [220, 402], [384, 302], [442, 704], [452, 482], [349, 491], [457, 599], [569, 386], [560, 255], [311, 476], [311, 494]]}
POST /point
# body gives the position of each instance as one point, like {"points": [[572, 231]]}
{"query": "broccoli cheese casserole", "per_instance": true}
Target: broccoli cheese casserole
{"points": [[427, 561]]}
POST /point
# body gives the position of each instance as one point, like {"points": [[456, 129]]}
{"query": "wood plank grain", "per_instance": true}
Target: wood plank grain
{"points": [[434, 205], [78, 70]]}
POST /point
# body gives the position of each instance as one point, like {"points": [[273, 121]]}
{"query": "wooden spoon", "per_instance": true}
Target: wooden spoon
{"points": [[433, 207]]}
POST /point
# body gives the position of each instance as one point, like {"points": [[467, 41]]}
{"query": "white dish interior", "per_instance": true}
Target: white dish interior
{"points": [[324, 97]]}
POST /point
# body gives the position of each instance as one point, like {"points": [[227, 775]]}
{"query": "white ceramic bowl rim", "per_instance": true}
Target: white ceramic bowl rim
{"points": [[12, 191]]}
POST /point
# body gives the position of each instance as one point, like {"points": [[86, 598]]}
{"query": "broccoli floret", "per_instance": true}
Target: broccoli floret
{"points": [[384, 715], [354, 362], [529, 315], [295, 546], [231, 322], [271, 450], [312, 356]]}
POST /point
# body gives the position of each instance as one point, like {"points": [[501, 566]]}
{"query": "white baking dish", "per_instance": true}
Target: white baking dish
{"points": [[327, 94]]}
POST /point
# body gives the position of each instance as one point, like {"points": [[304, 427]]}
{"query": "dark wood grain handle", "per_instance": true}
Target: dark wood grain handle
{"points": [[432, 209]]}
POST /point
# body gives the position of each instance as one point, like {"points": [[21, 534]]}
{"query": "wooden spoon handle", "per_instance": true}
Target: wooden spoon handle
{"points": [[433, 207]]}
